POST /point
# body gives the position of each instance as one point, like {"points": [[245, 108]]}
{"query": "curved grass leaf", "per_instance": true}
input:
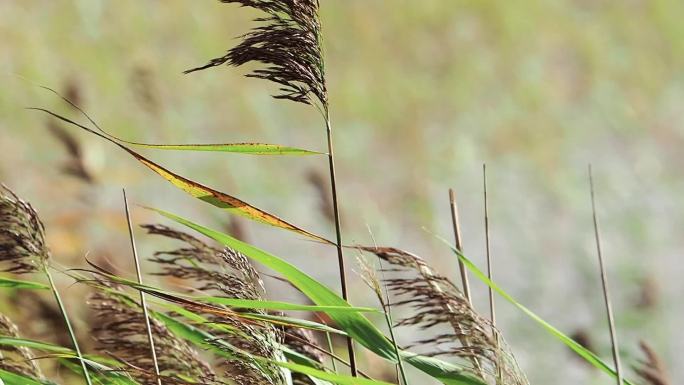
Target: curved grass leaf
{"points": [[294, 322], [236, 302], [278, 305], [199, 191], [19, 284], [9, 378], [355, 324], [583, 352], [221, 348], [37, 345], [240, 148], [103, 373]]}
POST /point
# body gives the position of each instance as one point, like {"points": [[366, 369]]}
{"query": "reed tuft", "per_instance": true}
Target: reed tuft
{"points": [[22, 235], [287, 43], [16, 359], [437, 302], [121, 333], [226, 273], [651, 370]]}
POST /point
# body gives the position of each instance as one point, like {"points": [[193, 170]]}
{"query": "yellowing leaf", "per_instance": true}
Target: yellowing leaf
{"points": [[199, 191]]}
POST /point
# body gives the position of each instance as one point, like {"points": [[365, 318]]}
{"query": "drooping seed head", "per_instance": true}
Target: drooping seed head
{"points": [[288, 44], [22, 234]]}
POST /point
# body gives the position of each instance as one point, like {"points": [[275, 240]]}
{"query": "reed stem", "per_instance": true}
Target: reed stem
{"points": [[490, 275], [604, 283], [492, 310], [338, 233], [387, 308], [143, 301], [70, 329], [459, 245]]}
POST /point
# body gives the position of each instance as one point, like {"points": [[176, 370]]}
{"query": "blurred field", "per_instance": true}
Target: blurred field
{"points": [[423, 92]]}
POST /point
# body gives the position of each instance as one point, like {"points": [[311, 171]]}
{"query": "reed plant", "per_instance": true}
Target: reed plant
{"points": [[217, 324]]}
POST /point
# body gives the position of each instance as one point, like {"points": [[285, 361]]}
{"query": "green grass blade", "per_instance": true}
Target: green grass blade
{"points": [[204, 193], [9, 378], [19, 284], [295, 322], [355, 324], [32, 344], [583, 352], [220, 347], [240, 148], [102, 367], [278, 305], [239, 303], [70, 329]]}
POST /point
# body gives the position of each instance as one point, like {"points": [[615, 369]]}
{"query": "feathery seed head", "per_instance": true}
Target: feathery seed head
{"points": [[437, 302], [288, 44], [22, 234]]}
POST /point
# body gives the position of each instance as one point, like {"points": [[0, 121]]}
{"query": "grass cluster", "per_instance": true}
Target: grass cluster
{"points": [[218, 325]]}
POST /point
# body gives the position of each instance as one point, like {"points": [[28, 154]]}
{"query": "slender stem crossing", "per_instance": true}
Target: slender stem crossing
{"points": [[70, 329], [459, 244], [338, 233], [492, 308], [604, 282], [143, 302]]}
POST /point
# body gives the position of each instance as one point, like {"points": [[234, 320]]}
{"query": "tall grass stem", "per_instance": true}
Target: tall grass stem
{"points": [[604, 283], [338, 233], [143, 301], [459, 244], [70, 329]]}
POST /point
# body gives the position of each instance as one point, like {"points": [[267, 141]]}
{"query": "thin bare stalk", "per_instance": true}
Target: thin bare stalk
{"points": [[459, 244], [490, 273], [143, 302], [604, 282], [70, 329], [492, 310], [464, 273], [387, 308], [338, 233], [330, 354], [328, 339]]}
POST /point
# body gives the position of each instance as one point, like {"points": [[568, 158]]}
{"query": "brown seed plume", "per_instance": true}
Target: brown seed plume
{"points": [[651, 370], [22, 235], [229, 274], [437, 302], [121, 332], [18, 360], [75, 165], [287, 43], [302, 341]]}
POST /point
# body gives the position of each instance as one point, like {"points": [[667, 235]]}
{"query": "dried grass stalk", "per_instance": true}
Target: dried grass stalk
{"points": [[229, 274], [437, 302]]}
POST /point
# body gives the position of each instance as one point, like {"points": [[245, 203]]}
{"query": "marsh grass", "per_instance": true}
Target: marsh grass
{"points": [[221, 328]]}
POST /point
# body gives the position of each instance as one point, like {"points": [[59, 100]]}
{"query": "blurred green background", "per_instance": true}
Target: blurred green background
{"points": [[422, 93]]}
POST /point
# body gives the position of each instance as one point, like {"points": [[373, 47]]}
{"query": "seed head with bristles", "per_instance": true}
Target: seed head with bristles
{"points": [[18, 360], [121, 332], [22, 234], [651, 370], [438, 302], [288, 44], [226, 273]]}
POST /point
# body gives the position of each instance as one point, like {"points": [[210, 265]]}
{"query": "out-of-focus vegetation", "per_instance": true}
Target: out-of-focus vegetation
{"points": [[422, 93]]}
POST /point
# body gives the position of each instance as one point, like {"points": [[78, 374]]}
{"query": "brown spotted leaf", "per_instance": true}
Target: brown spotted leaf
{"points": [[199, 191]]}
